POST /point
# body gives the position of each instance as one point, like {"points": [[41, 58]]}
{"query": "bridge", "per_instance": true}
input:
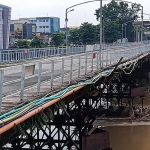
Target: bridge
{"points": [[53, 102]]}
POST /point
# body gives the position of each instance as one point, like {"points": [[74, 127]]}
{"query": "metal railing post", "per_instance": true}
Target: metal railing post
{"points": [[97, 60], [62, 77], [107, 58], [92, 62], [71, 67], [1, 88], [22, 83], [102, 59], [110, 57], [79, 66], [39, 78], [1, 57], [86, 64], [52, 75]]}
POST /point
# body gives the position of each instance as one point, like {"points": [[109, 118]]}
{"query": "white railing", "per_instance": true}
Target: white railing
{"points": [[18, 83], [19, 55]]}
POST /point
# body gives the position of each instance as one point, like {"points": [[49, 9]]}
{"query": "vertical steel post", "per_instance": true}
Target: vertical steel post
{"points": [[110, 57], [122, 34], [101, 30], [142, 25], [79, 66], [107, 59], [22, 83], [102, 60], [66, 20], [71, 68], [92, 62], [39, 78], [1, 88], [62, 76], [52, 74], [86, 64], [125, 31], [97, 61]]}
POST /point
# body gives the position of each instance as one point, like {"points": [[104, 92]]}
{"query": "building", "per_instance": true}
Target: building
{"points": [[5, 15], [22, 29], [46, 24], [63, 30], [137, 28]]}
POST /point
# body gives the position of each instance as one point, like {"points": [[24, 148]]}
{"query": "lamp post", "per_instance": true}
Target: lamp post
{"points": [[125, 30], [101, 22], [122, 34], [66, 20], [142, 24]]}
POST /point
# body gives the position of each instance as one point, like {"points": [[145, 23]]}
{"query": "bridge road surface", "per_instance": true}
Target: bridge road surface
{"points": [[14, 73]]}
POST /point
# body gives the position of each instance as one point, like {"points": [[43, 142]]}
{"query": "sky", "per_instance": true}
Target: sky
{"points": [[56, 8]]}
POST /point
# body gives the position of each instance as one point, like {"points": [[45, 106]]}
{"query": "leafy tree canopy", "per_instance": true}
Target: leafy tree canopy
{"points": [[22, 44], [118, 13], [58, 39], [37, 42], [74, 36]]}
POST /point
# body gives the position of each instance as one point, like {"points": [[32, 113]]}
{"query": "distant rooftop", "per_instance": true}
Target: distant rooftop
{"points": [[21, 21], [74, 27], [37, 17], [136, 23]]}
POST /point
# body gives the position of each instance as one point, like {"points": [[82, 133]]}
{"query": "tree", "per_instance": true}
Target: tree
{"points": [[37, 42], [22, 44], [118, 12], [87, 33], [58, 39], [74, 36]]}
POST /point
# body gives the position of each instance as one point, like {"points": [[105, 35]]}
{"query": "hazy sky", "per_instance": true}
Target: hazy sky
{"points": [[42, 8]]}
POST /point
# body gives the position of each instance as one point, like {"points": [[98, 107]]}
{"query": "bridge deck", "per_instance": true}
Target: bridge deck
{"points": [[35, 79]]}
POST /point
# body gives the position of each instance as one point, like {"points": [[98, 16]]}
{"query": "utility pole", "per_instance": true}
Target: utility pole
{"points": [[101, 26]]}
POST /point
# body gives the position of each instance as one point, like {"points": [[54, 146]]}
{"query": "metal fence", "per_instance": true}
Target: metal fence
{"points": [[18, 55], [18, 83]]}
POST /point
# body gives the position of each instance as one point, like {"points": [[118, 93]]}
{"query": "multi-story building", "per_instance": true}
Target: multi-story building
{"points": [[22, 29], [46, 24], [5, 14]]}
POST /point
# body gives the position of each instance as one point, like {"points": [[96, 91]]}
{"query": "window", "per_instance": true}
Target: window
{"points": [[47, 26], [31, 20], [40, 20], [35, 20], [46, 20], [40, 26], [43, 26], [43, 20]]}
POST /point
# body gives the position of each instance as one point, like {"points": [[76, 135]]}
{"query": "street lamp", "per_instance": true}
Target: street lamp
{"points": [[66, 20]]}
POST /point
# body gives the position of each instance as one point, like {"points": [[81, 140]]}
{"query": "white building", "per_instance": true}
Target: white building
{"points": [[46, 24]]}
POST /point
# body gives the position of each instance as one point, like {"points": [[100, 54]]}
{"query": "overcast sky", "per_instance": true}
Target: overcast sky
{"points": [[43, 8]]}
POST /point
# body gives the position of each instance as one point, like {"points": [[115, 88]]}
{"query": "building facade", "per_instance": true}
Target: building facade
{"points": [[137, 30], [46, 24], [22, 29], [5, 15]]}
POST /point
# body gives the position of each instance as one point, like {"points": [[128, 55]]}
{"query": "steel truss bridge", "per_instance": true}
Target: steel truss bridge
{"points": [[63, 116]]}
